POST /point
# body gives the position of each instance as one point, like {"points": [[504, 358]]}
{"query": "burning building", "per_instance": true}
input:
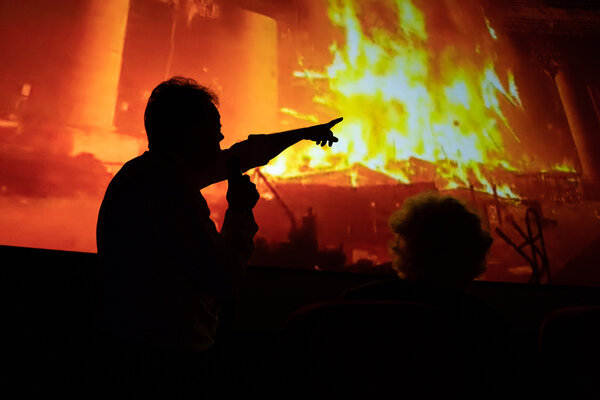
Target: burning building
{"points": [[492, 102]]}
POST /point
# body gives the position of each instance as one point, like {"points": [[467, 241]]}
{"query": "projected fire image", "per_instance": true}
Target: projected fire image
{"points": [[406, 98], [496, 105]]}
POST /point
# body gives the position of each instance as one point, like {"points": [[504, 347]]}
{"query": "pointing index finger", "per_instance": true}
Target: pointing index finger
{"points": [[334, 122]]}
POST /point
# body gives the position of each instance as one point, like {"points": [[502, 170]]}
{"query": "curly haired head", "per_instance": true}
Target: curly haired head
{"points": [[174, 107], [438, 240]]}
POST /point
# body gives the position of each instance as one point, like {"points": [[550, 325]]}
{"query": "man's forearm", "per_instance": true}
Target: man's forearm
{"points": [[258, 150], [253, 152]]}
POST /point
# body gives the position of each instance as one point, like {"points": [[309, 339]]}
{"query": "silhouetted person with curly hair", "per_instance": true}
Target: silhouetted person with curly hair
{"points": [[438, 241], [439, 248], [166, 270]]}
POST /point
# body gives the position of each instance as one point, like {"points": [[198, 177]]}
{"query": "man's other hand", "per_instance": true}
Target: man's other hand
{"points": [[241, 193], [321, 134]]}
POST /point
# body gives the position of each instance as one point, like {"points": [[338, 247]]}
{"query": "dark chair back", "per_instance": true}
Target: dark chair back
{"points": [[369, 348], [569, 352]]}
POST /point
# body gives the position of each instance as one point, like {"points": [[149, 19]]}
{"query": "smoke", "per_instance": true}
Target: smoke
{"points": [[51, 223], [40, 165], [48, 198]]}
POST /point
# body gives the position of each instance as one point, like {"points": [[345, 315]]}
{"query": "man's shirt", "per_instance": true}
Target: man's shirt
{"points": [[164, 265]]}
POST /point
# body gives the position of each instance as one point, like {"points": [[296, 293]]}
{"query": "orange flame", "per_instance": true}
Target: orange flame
{"points": [[402, 100]]}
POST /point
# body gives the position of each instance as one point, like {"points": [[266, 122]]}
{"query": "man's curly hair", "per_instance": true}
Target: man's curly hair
{"points": [[172, 108], [438, 240]]}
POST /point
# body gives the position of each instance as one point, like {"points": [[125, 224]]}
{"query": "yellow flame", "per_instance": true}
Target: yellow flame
{"points": [[564, 168], [299, 115], [354, 178], [403, 100]]}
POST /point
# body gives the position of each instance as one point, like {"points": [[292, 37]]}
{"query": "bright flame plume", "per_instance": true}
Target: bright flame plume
{"points": [[405, 100]]}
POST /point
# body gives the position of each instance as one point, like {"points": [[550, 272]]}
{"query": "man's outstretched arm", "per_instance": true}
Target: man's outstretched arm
{"points": [[258, 150]]}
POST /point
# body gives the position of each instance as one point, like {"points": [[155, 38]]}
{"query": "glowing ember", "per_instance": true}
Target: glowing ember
{"points": [[565, 167], [294, 113], [490, 29], [405, 98]]}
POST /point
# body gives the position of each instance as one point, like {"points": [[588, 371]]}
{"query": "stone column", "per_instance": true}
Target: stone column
{"points": [[584, 125], [92, 78], [254, 52]]}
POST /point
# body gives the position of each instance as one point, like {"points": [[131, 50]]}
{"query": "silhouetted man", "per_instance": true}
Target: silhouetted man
{"points": [[165, 267]]}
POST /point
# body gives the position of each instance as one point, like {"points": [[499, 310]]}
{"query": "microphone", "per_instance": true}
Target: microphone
{"points": [[234, 170]]}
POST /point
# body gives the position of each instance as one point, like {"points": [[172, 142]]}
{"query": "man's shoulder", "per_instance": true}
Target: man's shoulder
{"points": [[136, 176], [145, 167], [137, 164]]}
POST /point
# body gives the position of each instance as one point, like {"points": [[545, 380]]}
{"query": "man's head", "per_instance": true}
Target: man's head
{"points": [[181, 116], [438, 240]]}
